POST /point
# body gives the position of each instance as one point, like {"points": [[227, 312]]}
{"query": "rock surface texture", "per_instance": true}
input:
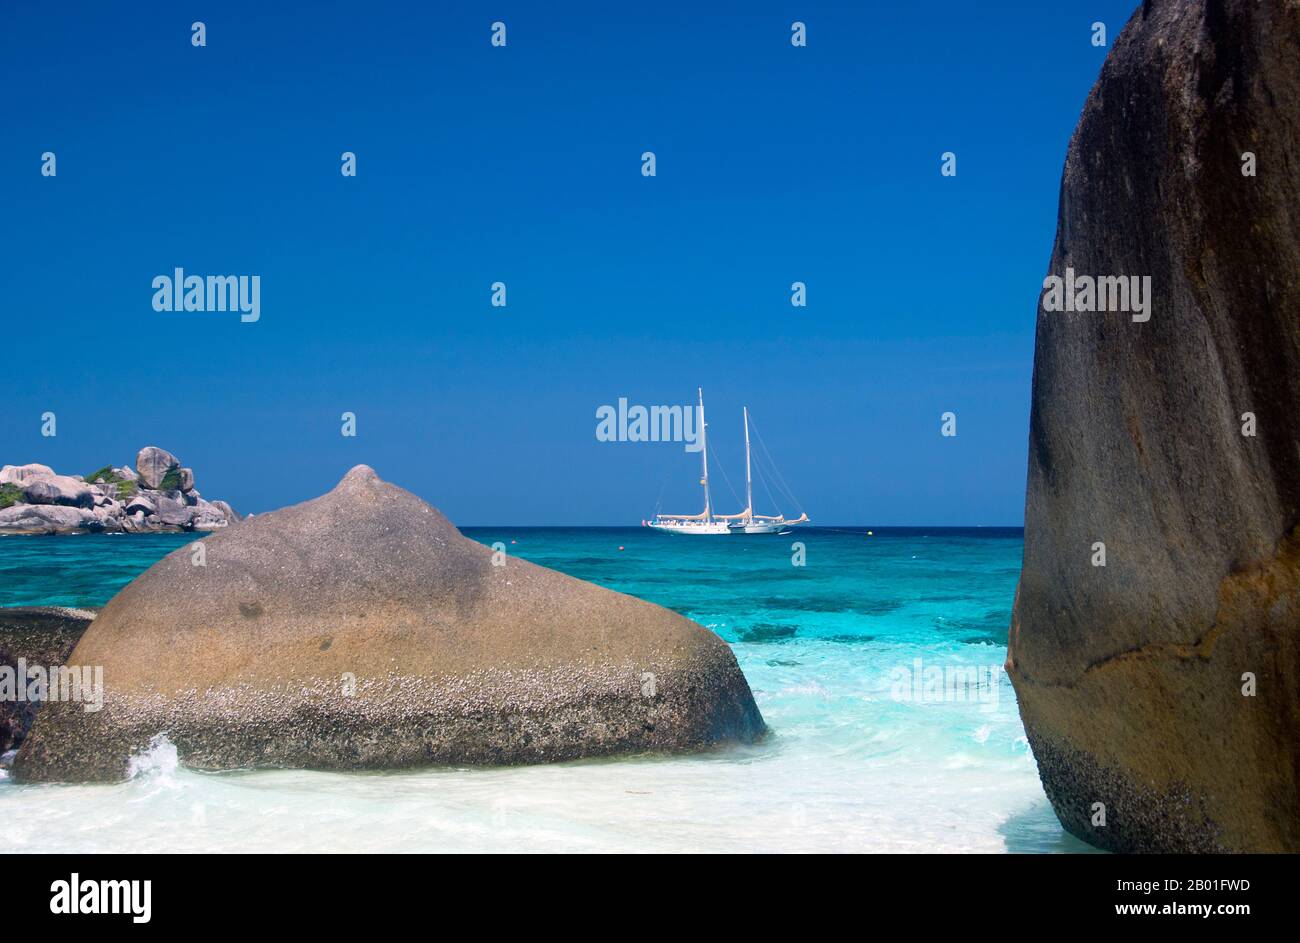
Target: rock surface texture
{"points": [[361, 630], [1163, 689], [42, 637], [35, 500]]}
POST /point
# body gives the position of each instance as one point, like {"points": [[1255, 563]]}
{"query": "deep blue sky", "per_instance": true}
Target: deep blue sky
{"points": [[522, 164]]}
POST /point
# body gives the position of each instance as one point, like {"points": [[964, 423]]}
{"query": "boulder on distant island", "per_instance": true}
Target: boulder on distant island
{"points": [[226, 511], [207, 516], [18, 474], [153, 464], [47, 519], [141, 502], [172, 511], [58, 489], [361, 630]]}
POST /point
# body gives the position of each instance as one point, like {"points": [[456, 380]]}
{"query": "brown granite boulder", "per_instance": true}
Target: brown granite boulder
{"points": [[361, 630], [1161, 691]]}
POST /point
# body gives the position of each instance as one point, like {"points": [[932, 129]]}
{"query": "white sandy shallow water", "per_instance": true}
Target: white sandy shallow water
{"points": [[846, 768]]}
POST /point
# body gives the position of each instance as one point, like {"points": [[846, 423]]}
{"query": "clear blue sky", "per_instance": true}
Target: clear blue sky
{"points": [[522, 164]]}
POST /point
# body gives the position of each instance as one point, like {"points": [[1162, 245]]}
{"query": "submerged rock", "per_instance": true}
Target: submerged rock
{"points": [[1159, 691], [361, 630]]}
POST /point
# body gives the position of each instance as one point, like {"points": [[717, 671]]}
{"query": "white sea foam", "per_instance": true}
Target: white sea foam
{"points": [[160, 759]]}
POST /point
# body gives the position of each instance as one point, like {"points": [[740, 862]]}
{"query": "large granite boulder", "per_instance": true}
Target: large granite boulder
{"points": [[41, 637], [1160, 691], [173, 510], [47, 519], [137, 522], [207, 516], [58, 489], [140, 503], [153, 464], [226, 511], [361, 630], [111, 516], [19, 474]]}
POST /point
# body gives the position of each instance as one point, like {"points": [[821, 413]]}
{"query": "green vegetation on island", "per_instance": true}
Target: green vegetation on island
{"points": [[125, 487]]}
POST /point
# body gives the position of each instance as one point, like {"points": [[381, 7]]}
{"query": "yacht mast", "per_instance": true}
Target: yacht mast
{"points": [[749, 484], [704, 441]]}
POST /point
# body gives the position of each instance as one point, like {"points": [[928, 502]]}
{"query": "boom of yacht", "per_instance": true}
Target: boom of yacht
{"points": [[707, 522]]}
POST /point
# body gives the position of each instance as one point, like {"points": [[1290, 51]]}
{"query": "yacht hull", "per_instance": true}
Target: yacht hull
{"points": [[759, 528], [709, 528]]}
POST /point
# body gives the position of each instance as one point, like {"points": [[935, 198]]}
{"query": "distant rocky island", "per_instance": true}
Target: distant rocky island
{"points": [[157, 496]]}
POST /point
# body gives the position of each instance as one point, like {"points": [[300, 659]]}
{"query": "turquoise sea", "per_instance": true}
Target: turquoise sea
{"points": [[863, 754]]}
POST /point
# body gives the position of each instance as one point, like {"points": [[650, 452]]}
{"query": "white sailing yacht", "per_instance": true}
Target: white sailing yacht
{"points": [[706, 522], [747, 522]]}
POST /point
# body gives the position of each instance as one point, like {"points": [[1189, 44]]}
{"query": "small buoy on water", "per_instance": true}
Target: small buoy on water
{"points": [[620, 548], [870, 533]]}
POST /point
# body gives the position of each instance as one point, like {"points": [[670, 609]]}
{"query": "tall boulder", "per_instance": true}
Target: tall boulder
{"points": [[1160, 690], [153, 464], [361, 630]]}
